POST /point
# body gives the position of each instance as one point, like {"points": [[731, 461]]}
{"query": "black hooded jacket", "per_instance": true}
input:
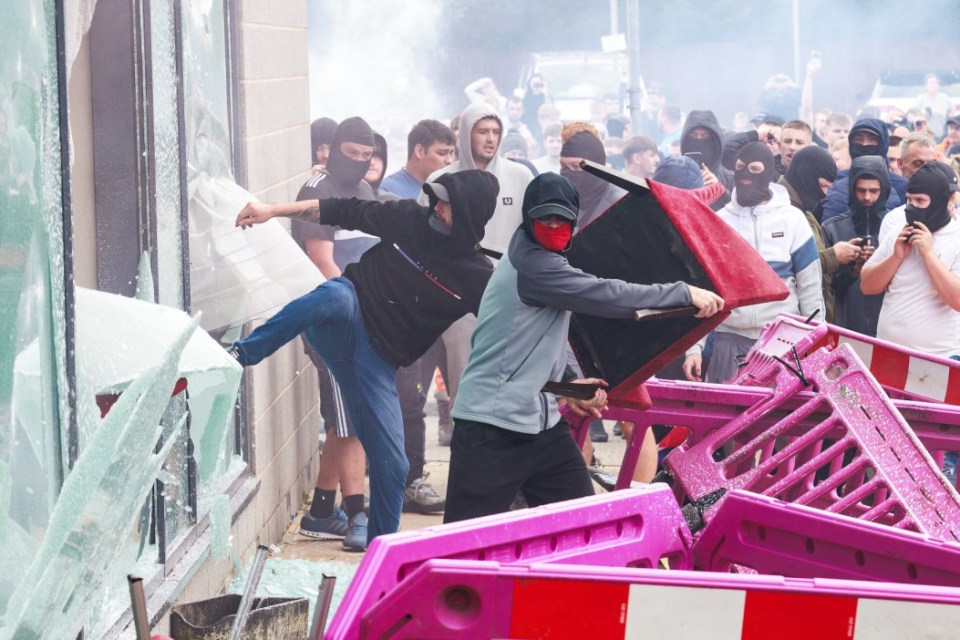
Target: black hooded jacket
{"points": [[836, 201], [418, 281], [854, 310], [711, 150]]}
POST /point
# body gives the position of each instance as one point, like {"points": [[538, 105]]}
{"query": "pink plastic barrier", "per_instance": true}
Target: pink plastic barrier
{"points": [[468, 599], [783, 340], [631, 528], [703, 407], [874, 469], [774, 537]]}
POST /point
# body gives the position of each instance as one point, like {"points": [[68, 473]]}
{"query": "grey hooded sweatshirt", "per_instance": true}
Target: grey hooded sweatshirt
{"points": [[521, 337]]}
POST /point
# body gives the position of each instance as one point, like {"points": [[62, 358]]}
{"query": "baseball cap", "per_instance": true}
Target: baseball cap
{"points": [[436, 190], [947, 171]]}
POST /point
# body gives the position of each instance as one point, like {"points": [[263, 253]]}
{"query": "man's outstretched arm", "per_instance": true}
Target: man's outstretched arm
{"points": [[259, 212]]}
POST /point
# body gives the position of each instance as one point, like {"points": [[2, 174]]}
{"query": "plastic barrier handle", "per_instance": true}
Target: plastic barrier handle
{"points": [[667, 312], [575, 390]]}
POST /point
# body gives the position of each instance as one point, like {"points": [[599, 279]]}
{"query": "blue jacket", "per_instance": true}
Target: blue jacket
{"points": [[835, 201]]}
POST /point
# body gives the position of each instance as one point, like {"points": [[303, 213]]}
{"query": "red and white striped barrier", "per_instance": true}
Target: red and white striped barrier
{"points": [[901, 371]]}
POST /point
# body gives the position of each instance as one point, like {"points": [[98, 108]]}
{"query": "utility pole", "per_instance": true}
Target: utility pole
{"points": [[633, 52], [796, 43]]}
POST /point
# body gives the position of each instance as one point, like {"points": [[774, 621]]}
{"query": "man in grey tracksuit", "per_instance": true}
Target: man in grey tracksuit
{"points": [[508, 434]]}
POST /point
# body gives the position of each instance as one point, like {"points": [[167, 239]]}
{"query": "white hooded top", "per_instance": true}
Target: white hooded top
{"points": [[513, 177]]}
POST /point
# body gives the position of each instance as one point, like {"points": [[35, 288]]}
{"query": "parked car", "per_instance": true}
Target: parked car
{"points": [[899, 89], [575, 78]]}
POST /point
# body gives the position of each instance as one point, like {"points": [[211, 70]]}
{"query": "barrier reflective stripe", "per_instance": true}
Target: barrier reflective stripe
{"points": [[548, 608]]}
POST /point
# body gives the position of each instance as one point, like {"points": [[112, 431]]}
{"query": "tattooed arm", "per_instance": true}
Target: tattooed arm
{"points": [[259, 212]]}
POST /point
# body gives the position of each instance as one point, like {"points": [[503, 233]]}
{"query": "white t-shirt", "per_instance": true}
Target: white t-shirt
{"points": [[893, 221], [913, 314]]}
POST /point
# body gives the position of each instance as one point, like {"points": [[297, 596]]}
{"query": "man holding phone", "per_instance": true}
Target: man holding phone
{"points": [[702, 135], [869, 189]]}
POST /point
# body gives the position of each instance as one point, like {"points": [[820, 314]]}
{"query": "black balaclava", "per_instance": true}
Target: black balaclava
{"points": [[754, 188], [590, 188], [710, 147], [810, 164], [321, 132], [878, 128], [341, 168], [549, 194], [930, 181]]}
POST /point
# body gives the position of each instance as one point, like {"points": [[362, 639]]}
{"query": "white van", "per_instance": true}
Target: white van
{"points": [[575, 78]]}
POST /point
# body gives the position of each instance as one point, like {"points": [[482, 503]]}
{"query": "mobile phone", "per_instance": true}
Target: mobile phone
{"points": [[816, 54], [867, 241], [696, 156]]}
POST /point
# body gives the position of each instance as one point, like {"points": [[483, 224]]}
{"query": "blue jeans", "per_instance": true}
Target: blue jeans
{"points": [[330, 318]]}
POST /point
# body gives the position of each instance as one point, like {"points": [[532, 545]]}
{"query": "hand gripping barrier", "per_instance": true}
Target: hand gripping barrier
{"points": [[635, 527], [873, 466], [774, 537], [469, 599]]}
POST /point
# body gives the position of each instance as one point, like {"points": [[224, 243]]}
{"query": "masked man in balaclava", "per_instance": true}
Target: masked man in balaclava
{"points": [[385, 311], [918, 268], [761, 212], [509, 435], [811, 172], [867, 137], [869, 188], [342, 462], [596, 194], [703, 136]]}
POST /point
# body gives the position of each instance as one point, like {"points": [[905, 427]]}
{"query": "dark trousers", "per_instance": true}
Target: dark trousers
{"points": [[489, 465]]}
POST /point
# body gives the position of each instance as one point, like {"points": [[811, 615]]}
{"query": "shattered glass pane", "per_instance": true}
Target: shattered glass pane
{"points": [[99, 506], [234, 276], [32, 314]]}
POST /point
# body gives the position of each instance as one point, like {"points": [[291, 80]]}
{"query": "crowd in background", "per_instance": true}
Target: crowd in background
{"points": [[855, 213]]}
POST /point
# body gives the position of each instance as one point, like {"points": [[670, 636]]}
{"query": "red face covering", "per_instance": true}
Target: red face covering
{"points": [[553, 239]]}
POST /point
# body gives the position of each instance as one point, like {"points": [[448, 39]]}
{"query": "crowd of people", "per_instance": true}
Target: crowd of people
{"points": [[455, 262]]}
